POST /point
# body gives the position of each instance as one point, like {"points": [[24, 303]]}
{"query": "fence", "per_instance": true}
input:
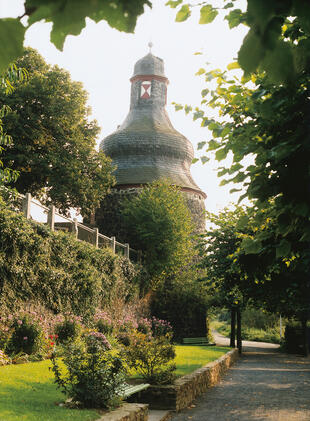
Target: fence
{"points": [[82, 232]]}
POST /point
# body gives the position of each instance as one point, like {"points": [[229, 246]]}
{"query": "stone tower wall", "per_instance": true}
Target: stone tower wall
{"points": [[109, 220]]}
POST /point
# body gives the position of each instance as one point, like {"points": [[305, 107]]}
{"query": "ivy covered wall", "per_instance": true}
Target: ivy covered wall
{"points": [[54, 269]]}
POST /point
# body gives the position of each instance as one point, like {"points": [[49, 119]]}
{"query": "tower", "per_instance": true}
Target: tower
{"points": [[146, 147]]}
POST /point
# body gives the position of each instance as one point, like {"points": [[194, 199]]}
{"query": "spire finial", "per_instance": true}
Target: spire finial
{"points": [[150, 45]]}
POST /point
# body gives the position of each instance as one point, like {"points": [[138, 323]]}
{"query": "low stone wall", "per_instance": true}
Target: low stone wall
{"points": [[127, 412], [185, 389]]}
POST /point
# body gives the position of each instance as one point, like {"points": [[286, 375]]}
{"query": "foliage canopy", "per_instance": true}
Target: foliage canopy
{"points": [[159, 223], [53, 146], [68, 17]]}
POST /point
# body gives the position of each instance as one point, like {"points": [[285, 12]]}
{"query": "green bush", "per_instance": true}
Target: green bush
{"points": [[104, 327], [184, 306], [54, 269], [27, 337], [293, 337], [151, 357], [67, 330], [95, 374]]}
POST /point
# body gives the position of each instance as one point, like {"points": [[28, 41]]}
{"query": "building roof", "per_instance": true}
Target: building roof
{"points": [[146, 147]]}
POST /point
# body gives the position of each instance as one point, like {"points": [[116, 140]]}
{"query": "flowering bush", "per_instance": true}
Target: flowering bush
{"points": [[151, 357], [161, 327], [27, 337], [68, 329], [4, 359], [94, 374]]}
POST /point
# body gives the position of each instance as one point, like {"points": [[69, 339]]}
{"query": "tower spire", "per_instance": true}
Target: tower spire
{"points": [[150, 45]]}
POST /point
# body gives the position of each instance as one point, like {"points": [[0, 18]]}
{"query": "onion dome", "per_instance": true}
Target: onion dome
{"points": [[146, 147]]}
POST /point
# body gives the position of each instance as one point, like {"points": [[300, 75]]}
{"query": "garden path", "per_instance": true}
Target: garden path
{"points": [[263, 385]]}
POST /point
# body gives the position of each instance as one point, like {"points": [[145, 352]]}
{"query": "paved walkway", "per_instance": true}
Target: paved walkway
{"points": [[263, 385]]}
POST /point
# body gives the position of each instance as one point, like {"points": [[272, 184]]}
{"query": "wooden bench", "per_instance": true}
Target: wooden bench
{"points": [[131, 389], [196, 341]]}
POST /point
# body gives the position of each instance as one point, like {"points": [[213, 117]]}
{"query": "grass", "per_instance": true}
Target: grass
{"points": [[270, 335], [191, 357], [27, 393]]}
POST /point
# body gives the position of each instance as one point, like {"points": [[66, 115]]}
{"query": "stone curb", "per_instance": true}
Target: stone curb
{"points": [[187, 388], [127, 412]]}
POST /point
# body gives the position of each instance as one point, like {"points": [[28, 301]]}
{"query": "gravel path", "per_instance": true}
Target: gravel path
{"points": [[263, 385]]}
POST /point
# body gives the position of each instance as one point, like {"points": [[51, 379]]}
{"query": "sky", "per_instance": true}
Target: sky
{"points": [[103, 58]]}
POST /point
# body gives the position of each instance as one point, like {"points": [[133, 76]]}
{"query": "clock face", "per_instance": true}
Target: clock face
{"points": [[146, 89]]}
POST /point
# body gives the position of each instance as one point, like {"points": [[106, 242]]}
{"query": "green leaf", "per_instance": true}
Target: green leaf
{"points": [[251, 246], [234, 190], [224, 182], [201, 71], [183, 13], [243, 222], [233, 65], [173, 3], [212, 145], [198, 114], [228, 5], [201, 145], [207, 14], [187, 109], [204, 159], [283, 249], [195, 160], [234, 18], [251, 52], [221, 154], [279, 64], [12, 34]]}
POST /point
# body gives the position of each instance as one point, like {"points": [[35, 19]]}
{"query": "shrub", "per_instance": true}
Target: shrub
{"points": [[104, 327], [27, 337], [95, 374], [151, 357], [184, 306], [67, 330], [4, 359], [161, 327]]}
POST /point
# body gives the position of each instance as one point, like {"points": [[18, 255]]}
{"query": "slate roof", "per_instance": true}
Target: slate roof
{"points": [[146, 147]]}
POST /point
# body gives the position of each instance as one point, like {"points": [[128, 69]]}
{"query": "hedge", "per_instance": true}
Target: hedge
{"points": [[53, 268]]}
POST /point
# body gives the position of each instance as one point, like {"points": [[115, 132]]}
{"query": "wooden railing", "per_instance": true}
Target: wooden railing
{"points": [[81, 231]]}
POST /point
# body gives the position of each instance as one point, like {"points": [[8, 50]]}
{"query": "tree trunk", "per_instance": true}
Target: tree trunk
{"points": [[232, 328], [305, 346], [239, 339]]}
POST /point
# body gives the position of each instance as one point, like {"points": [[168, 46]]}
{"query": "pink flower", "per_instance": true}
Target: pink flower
{"points": [[25, 338], [19, 322]]}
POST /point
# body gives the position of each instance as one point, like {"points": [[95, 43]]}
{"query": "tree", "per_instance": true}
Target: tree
{"points": [[68, 18], [7, 80], [53, 145], [269, 123], [264, 48], [159, 223], [226, 282]]}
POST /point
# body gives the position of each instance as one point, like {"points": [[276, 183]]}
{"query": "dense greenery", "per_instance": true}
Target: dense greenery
{"points": [[56, 270], [7, 80], [53, 146], [184, 302], [94, 374], [68, 18], [263, 47], [159, 223]]}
